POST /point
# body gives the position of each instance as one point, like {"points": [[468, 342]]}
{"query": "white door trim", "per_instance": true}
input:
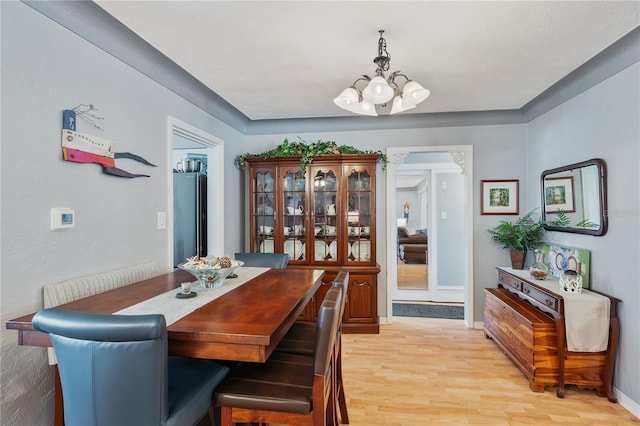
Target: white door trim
{"points": [[463, 156], [215, 183]]}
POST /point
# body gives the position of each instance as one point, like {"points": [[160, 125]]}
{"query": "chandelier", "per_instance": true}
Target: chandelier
{"points": [[381, 89]]}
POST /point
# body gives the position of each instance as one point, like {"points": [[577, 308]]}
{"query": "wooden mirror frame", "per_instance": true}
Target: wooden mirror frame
{"points": [[602, 197]]}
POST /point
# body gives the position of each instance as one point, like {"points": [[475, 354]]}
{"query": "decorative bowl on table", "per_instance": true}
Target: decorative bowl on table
{"points": [[210, 270]]}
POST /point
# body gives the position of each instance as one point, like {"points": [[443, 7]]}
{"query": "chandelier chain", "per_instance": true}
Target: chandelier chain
{"points": [[384, 58]]}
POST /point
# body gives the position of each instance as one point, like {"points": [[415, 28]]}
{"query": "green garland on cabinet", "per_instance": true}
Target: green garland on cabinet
{"points": [[307, 151]]}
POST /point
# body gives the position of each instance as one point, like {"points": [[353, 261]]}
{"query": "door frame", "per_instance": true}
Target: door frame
{"points": [[435, 292], [463, 156], [215, 182]]}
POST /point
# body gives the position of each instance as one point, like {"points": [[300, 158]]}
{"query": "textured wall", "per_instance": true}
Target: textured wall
{"points": [[45, 69], [602, 122]]}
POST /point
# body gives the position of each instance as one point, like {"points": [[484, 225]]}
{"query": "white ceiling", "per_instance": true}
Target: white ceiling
{"points": [[289, 59], [408, 181]]}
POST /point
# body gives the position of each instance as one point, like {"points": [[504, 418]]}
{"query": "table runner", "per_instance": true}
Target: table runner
{"points": [[586, 315], [173, 308]]}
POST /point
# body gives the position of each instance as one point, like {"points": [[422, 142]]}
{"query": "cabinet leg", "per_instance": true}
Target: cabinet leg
{"points": [[560, 392]]}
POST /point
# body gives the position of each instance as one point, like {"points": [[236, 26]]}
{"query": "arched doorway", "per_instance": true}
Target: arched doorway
{"points": [[461, 157]]}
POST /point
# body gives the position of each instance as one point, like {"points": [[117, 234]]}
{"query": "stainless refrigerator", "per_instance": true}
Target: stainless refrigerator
{"points": [[189, 216]]}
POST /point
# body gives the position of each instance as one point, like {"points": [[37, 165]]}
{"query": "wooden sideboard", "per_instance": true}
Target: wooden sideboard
{"points": [[527, 322]]}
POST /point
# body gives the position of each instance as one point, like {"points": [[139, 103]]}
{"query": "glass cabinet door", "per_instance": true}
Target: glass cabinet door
{"points": [[359, 215], [263, 214], [325, 205], [293, 229]]}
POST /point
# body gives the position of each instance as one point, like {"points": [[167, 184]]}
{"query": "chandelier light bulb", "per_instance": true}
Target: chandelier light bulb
{"points": [[413, 93], [378, 91], [348, 99], [366, 108], [397, 106]]}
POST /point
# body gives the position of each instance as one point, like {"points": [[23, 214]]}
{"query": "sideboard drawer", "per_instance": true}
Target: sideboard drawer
{"points": [[509, 280], [542, 297]]}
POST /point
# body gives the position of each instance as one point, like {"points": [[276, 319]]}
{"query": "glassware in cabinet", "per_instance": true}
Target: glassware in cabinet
{"points": [[359, 207], [263, 220], [294, 214], [325, 214]]}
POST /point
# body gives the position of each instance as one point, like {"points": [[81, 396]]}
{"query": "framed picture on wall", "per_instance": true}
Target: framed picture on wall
{"points": [[558, 195], [499, 196]]}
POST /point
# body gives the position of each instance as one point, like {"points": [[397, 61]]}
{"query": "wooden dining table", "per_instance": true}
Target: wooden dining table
{"points": [[245, 324]]}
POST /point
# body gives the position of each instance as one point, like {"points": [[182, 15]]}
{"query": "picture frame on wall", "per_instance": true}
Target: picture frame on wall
{"points": [[499, 196], [558, 195]]}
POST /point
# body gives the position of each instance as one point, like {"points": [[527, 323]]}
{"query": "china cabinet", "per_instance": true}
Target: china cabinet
{"points": [[324, 218]]}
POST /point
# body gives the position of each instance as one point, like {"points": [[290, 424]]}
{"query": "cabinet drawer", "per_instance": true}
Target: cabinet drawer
{"points": [[542, 297], [509, 281]]}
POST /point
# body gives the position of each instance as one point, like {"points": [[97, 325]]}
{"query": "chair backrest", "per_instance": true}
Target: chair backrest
{"points": [[342, 280], [267, 260], [113, 368], [327, 327]]}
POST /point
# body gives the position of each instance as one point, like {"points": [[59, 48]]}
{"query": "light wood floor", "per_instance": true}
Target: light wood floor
{"points": [[424, 371], [412, 276]]}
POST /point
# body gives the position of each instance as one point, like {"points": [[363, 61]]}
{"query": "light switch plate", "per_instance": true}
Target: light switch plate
{"points": [[162, 220]]}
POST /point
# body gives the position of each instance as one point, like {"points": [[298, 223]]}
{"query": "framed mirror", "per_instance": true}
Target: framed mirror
{"points": [[574, 198]]}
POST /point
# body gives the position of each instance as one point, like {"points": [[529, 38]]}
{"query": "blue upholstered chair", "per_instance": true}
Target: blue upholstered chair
{"points": [[267, 260], [114, 370]]}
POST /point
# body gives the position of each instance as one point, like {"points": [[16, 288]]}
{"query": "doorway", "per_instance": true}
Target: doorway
{"points": [[182, 136], [443, 211]]}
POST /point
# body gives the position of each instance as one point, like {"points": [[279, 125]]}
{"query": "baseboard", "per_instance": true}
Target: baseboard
{"points": [[478, 325], [628, 403]]}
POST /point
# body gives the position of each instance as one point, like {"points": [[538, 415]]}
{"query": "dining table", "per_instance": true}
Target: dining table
{"points": [[244, 323]]}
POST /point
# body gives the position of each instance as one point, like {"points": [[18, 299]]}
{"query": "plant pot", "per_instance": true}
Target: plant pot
{"points": [[517, 259]]}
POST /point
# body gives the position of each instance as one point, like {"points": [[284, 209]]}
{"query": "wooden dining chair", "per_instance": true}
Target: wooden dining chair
{"points": [[300, 339], [114, 370], [266, 260], [289, 389]]}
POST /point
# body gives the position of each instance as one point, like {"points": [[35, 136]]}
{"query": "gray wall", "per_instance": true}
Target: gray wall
{"points": [[451, 230], [116, 217], [602, 123]]}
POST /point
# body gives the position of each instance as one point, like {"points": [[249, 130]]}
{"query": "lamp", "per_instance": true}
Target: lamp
{"points": [[381, 89]]}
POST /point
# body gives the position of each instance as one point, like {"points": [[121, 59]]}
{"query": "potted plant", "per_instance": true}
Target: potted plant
{"points": [[519, 237], [307, 151]]}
